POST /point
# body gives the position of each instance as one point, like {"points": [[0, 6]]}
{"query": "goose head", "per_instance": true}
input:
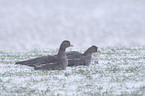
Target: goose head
{"points": [[92, 49], [66, 44]]}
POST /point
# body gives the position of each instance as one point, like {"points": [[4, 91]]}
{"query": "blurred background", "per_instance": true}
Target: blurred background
{"points": [[29, 24]]}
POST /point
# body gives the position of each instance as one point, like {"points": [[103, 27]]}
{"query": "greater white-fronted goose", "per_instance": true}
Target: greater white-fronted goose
{"points": [[56, 62], [76, 58]]}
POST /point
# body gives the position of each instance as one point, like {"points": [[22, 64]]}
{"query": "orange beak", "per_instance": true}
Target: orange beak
{"points": [[71, 45], [99, 51]]}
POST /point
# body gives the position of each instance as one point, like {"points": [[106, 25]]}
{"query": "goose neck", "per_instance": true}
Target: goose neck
{"points": [[88, 52], [61, 51]]}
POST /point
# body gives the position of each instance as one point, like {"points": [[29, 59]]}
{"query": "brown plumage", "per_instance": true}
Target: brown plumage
{"points": [[56, 62], [76, 58]]}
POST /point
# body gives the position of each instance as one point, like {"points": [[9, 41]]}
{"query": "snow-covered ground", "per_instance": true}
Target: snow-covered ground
{"points": [[120, 71], [29, 24], [36, 26]]}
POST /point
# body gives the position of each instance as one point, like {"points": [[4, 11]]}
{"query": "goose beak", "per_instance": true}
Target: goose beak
{"points": [[71, 45], [98, 51]]}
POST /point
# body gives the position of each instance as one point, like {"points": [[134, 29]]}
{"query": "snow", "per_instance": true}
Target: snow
{"points": [[29, 29]]}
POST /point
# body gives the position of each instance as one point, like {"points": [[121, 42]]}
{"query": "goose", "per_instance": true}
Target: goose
{"points": [[49, 62], [76, 58]]}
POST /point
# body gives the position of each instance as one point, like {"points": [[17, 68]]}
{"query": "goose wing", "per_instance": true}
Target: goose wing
{"points": [[73, 55], [39, 60], [75, 58], [48, 66]]}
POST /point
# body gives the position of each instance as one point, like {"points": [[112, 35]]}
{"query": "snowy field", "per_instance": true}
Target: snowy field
{"points": [[29, 24], [32, 28], [118, 71]]}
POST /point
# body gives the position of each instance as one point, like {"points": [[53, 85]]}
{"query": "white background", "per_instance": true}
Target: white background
{"points": [[29, 24]]}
